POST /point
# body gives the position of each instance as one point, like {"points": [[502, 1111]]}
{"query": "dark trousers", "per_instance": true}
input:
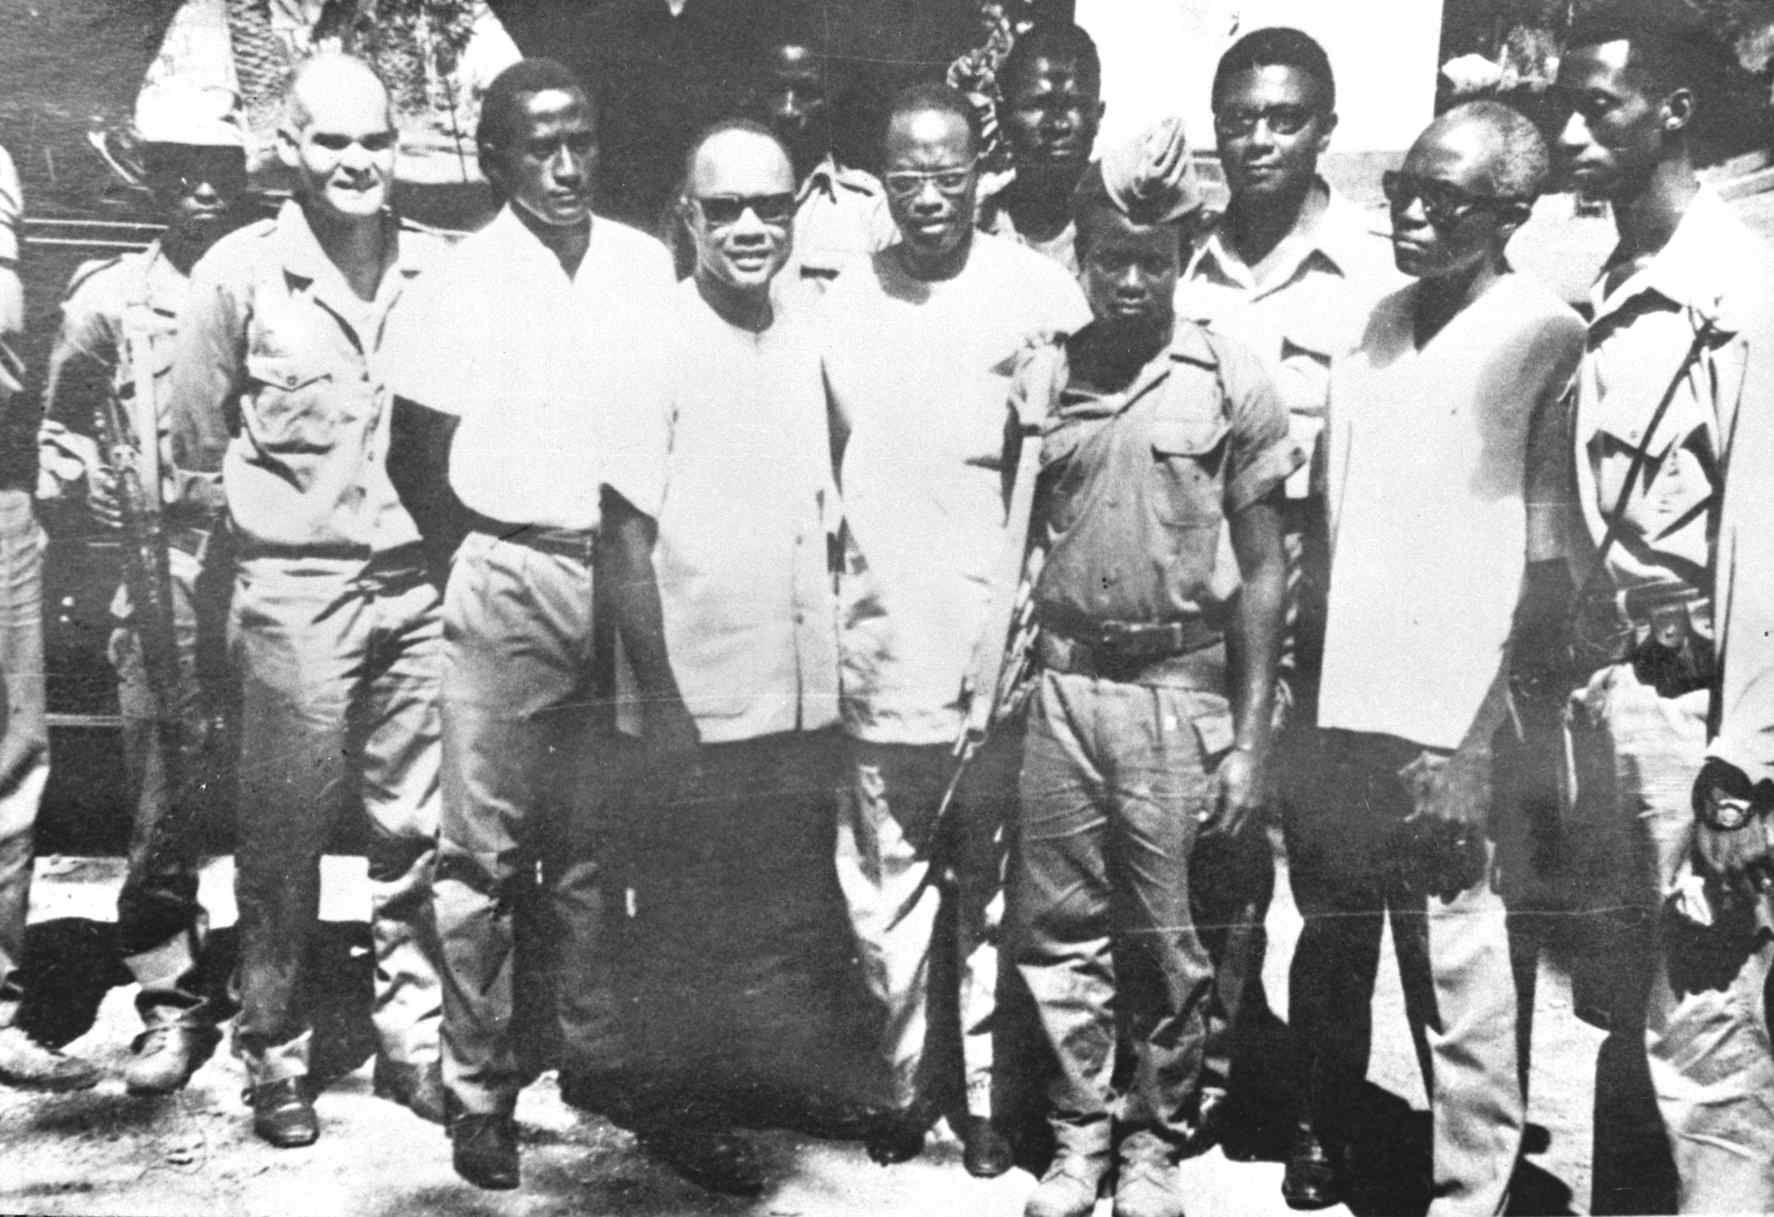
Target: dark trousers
{"points": [[1115, 777]]}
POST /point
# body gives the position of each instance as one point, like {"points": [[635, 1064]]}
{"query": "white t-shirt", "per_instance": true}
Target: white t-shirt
{"points": [[920, 373]]}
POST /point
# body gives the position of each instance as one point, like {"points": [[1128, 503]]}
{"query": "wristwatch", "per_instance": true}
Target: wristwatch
{"points": [[1726, 814]]}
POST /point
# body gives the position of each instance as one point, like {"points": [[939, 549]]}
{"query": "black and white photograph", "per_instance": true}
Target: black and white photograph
{"points": [[923, 608]]}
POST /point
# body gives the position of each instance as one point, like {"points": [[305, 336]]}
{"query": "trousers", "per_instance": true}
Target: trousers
{"points": [[1115, 779], [339, 664], [527, 789], [1453, 959], [1705, 1008], [887, 844], [24, 732]]}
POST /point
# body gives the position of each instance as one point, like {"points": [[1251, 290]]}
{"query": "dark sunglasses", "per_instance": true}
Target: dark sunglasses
{"points": [[1282, 119], [223, 172], [1444, 204], [721, 210]]}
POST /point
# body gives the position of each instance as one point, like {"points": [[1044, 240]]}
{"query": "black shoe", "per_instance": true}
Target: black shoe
{"points": [[711, 1158], [985, 1150], [418, 1088], [898, 1136], [483, 1149], [1312, 1180], [1213, 1108], [283, 1114]]}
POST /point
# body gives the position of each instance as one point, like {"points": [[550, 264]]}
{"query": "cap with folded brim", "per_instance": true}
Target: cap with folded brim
{"points": [[174, 111], [1151, 177]]}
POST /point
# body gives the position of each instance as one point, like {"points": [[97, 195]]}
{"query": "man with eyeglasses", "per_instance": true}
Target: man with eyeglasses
{"points": [[529, 379], [277, 398], [120, 319], [1288, 270], [1052, 83], [1670, 733], [1447, 405], [920, 343]]}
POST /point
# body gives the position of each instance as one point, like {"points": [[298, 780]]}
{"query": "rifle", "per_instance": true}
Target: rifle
{"points": [[1000, 676]]}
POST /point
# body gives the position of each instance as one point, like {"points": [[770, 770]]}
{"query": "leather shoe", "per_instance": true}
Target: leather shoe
{"points": [[1311, 1180], [1212, 1111], [25, 1062], [283, 1114], [714, 1159], [898, 1135], [418, 1088], [1069, 1187], [483, 1149], [1148, 1187], [985, 1150], [164, 1057]]}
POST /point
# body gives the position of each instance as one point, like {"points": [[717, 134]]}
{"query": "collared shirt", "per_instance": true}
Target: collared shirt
{"points": [[278, 385], [116, 310], [841, 217], [1427, 490], [920, 373], [1317, 288], [995, 218], [1712, 457], [750, 618], [1137, 485], [559, 382]]}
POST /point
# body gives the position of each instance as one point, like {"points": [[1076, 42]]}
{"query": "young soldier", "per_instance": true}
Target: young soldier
{"points": [[919, 348], [117, 332], [1288, 270], [1143, 738], [1428, 458], [1672, 734], [529, 385], [1052, 83], [276, 394]]}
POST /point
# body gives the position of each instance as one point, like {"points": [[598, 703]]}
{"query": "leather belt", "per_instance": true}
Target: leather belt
{"points": [[578, 544], [1137, 653], [1650, 604]]}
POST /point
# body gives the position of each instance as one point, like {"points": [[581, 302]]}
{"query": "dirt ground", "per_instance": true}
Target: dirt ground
{"points": [[103, 1152]]}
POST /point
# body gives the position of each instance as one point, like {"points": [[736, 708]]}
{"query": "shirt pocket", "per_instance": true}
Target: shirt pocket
{"points": [[1188, 468], [290, 405]]}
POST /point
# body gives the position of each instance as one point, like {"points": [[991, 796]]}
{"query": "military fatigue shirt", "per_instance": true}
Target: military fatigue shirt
{"points": [[840, 217], [277, 388], [1137, 485]]}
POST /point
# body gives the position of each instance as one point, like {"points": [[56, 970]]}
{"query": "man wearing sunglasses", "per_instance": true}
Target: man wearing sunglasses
{"points": [[119, 314], [1437, 432], [1677, 381], [277, 399], [921, 339], [1288, 270]]}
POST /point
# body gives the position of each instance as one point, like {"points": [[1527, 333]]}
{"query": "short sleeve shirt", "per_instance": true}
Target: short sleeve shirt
{"points": [[1428, 463], [559, 383], [921, 373]]}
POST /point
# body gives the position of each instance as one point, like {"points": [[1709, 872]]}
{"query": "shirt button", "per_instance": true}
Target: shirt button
{"points": [[291, 381]]}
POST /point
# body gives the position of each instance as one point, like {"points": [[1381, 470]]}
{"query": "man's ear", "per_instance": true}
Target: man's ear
{"points": [[1677, 110], [1327, 126], [488, 156], [1510, 218], [289, 146]]}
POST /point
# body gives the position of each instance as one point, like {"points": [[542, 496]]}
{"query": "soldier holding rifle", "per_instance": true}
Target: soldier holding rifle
{"points": [[100, 444]]}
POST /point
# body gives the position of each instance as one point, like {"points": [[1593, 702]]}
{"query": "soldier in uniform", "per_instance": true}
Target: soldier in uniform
{"points": [[335, 629], [1159, 609], [116, 337]]}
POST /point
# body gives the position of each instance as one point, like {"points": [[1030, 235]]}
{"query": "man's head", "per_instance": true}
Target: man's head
{"points": [[338, 137], [537, 141], [1052, 88], [195, 157], [1627, 89], [929, 157], [1129, 262], [739, 205], [1467, 184], [791, 97], [1274, 109]]}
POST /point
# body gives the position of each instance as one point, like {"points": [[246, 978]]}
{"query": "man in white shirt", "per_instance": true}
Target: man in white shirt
{"points": [[921, 341], [1430, 440]]}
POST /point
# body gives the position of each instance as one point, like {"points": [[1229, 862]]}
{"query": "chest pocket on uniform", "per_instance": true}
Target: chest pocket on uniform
{"points": [[1189, 430], [290, 406]]}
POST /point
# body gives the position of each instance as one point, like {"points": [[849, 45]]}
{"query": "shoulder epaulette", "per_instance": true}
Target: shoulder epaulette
{"points": [[1190, 344]]}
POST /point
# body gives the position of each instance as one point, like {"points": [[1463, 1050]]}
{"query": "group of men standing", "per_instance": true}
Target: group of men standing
{"points": [[778, 515]]}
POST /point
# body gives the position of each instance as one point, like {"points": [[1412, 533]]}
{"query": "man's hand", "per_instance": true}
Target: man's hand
{"points": [[1446, 832], [102, 504], [1242, 791], [1743, 858]]}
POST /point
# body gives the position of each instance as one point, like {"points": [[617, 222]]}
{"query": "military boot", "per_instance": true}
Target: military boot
{"points": [[1147, 1184], [1070, 1186]]}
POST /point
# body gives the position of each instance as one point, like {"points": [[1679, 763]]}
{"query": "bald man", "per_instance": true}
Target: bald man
{"points": [[335, 623]]}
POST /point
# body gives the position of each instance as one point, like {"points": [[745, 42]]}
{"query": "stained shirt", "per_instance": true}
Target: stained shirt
{"points": [[1318, 286], [559, 382], [920, 374], [1137, 485], [840, 217], [741, 559], [278, 386], [1712, 457], [1427, 492]]}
